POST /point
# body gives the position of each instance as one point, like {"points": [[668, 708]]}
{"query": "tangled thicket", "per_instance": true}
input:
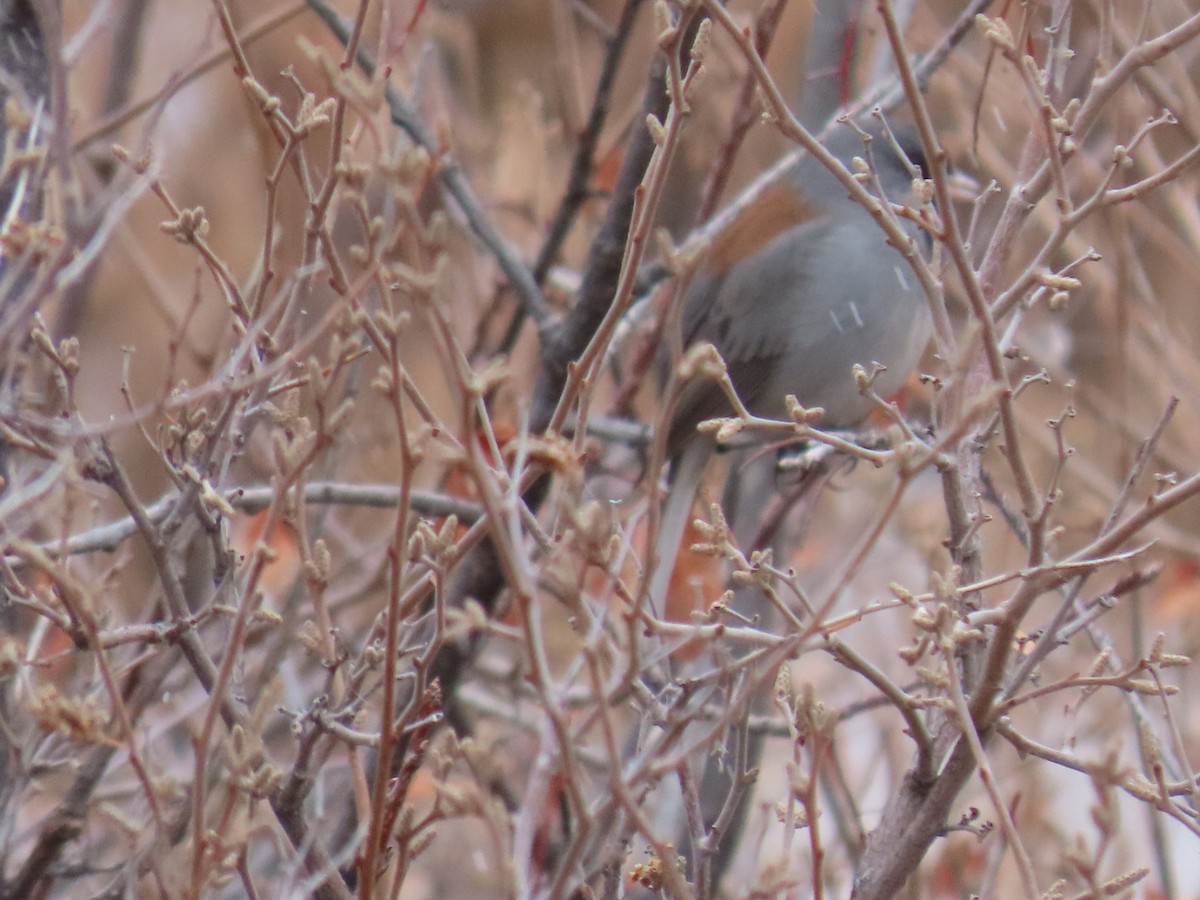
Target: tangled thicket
{"points": [[326, 509]]}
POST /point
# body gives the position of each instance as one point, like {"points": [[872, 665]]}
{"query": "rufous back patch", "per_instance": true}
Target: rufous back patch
{"points": [[774, 211]]}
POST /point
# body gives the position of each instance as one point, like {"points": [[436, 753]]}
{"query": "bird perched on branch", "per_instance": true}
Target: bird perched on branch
{"points": [[797, 290]]}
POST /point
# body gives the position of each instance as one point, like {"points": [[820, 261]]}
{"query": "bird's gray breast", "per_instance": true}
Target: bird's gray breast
{"points": [[823, 298]]}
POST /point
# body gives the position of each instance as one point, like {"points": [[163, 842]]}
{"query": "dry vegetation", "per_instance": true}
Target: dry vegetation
{"points": [[326, 509]]}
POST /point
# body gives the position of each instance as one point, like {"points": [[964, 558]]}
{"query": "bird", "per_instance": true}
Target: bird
{"points": [[799, 288]]}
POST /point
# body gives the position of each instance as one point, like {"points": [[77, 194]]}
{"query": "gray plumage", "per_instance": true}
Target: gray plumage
{"points": [[797, 291]]}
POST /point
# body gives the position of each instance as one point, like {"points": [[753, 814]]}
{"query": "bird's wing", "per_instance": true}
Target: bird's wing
{"points": [[739, 314]]}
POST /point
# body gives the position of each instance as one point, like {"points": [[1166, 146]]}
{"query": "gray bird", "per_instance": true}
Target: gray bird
{"points": [[793, 293]]}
